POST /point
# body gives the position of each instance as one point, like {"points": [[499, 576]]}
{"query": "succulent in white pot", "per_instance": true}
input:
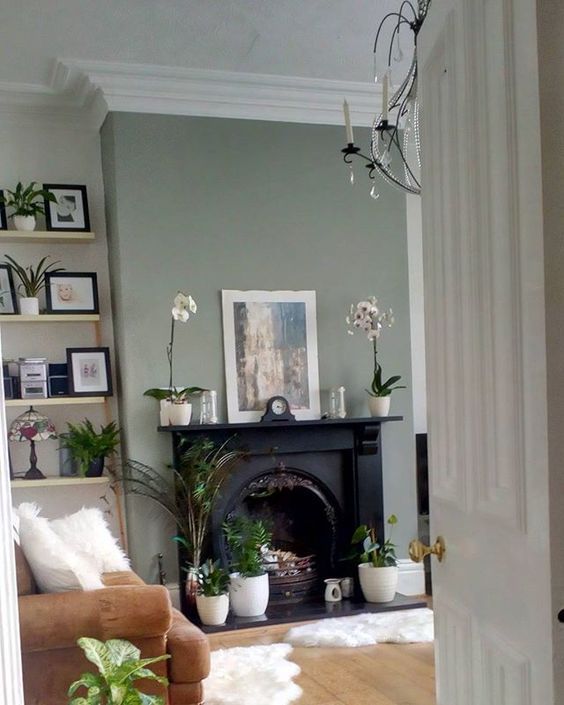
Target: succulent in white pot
{"points": [[367, 317], [377, 569], [212, 598], [26, 203], [32, 282], [249, 588]]}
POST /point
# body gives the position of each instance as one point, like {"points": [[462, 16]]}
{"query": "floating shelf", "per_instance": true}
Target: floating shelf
{"points": [[60, 482], [55, 401], [37, 236], [50, 318]]}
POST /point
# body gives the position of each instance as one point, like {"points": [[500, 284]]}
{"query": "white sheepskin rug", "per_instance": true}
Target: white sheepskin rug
{"points": [[400, 627], [252, 675]]}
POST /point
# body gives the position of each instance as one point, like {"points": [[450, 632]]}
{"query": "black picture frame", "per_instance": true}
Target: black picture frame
{"points": [[55, 222], [3, 216], [7, 277], [79, 384], [61, 307]]}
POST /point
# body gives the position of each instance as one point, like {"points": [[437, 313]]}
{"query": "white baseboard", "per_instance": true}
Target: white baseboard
{"points": [[174, 592], [411, 577]]}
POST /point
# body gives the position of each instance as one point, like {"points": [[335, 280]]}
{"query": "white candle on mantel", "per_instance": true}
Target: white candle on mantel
{"points": [[385, 98], [348, 126]]}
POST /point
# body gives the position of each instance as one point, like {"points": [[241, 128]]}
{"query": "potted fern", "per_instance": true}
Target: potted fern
{"points": [[26, 203], [248, 587], [212, 599], [90, 448], [32, 282], [377, 570]]}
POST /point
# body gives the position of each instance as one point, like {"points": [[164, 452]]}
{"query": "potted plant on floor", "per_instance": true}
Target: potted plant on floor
{"points": [[366, 316], [377, 570], [212, 598], [248, 587], [32, 282], [90, 448], [26, 203]]}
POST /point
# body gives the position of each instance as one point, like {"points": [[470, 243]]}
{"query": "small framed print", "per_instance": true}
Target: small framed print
{"points": [[89, 372], [71, 292], [69, 211], [3, 217], [8, 301]]}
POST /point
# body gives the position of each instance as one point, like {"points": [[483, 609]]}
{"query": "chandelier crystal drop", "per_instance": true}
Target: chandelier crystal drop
{"points": [[395, 145]]}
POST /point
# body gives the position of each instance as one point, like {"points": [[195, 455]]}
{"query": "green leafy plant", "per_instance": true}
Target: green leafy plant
{"points": [[213, 580], [32, 278], [27, 200], [119, 665], [86, 444], [378, 388], [370, 551], [188, 493], [246, 538], [174, 394]]}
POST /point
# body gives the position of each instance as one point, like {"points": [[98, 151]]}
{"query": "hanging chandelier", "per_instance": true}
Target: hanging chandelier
{"points": [[395, 147]]}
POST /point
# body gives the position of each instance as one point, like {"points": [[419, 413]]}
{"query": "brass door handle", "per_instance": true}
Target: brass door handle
{"points": [[418, 550]]}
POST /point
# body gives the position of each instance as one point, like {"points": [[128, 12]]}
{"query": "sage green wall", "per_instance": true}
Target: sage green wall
{"points": [[203, 204]]}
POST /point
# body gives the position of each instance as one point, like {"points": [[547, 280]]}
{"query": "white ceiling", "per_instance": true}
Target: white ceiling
{"points": [[329, 39]]}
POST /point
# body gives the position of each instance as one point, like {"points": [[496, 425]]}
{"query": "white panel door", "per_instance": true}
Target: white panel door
{"points": [[484, 310]]}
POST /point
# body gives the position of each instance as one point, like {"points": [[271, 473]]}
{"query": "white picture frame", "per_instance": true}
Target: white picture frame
{"points": [[270, 348]]}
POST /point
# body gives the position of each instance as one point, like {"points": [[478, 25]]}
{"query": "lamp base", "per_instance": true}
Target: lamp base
{"points": [[34, 474]]}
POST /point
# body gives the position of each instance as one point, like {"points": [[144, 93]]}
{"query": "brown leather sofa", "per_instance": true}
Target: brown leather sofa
{"points": [[128, 609]]}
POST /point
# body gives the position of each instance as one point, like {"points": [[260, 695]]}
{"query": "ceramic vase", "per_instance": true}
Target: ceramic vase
{"points": [[96, 467], [249, 596], [29, 306], [24, 222], [212, 610], [164, 411], [378, 584], [379, 406], [180, 413]]}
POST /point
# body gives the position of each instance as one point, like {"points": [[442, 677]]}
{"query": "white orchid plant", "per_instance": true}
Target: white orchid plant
{"points": [[367, 317], [183, 306]]}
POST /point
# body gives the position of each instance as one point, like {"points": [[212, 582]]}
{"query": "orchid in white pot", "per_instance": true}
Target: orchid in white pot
{"points": [[367, 317], [176, 409]]}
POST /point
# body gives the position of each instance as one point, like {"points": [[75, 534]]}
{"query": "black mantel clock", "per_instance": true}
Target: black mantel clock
{"points": [[278, 409]]}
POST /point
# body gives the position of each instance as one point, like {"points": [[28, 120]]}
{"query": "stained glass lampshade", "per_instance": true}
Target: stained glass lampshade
{"points": [[33, 427]]}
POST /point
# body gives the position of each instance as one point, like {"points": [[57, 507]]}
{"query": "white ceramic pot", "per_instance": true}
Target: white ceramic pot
{"points": [[180, 413], [164, 411], [249, 596], [212, 610], [29, 305], [333, 590], [379, 406], [24, 222], [378, 584]]}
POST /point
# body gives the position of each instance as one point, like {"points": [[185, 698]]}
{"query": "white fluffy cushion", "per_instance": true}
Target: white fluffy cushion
{"points": [[86, 532], [55, 566]]}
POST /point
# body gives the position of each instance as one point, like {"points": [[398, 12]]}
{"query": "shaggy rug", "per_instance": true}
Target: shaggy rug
{"points": [[252, 675], [401, 627]]}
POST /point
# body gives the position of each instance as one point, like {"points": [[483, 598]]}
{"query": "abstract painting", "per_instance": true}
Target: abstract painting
{"points": [[270, 343]]}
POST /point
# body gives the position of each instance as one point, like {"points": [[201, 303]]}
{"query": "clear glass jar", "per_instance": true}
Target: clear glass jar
{"points": [[208, 407]]}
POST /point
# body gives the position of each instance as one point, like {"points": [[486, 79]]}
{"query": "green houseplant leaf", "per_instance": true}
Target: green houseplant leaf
{"points": [[32, 278]]}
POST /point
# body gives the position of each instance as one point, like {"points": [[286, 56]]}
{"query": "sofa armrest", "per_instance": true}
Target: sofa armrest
{"points": [[189, 649], [56, 621]]}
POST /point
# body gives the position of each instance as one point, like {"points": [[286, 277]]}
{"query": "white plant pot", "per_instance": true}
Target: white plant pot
{"points": [[24, 222], [378, 584], [29, 305], [164, 411], [249, 596], [212, 610], [180, 414], [379, 406]]}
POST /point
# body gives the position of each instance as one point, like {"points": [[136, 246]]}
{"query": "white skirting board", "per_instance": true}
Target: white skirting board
{"points": [[411, 577]]}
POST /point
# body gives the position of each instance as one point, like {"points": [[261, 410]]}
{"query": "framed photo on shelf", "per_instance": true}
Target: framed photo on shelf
{"points": [[8, 300], [71, 292], [270, 347], [89, 372], [3, 216], [70, 211]]}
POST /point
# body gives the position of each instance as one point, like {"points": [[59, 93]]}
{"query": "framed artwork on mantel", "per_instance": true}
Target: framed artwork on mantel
{"points": [[270, 347]]}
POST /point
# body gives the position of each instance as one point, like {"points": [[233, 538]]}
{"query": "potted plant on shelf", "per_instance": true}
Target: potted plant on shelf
{"points": [[366, 316], [377, 570], [248, 588], [175, 405], [212, 598], [32, 282], [26, 203], [119, 665], [90, 448]]}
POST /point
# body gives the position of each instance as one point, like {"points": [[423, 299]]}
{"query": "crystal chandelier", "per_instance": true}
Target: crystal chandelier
{"points": [[395, 147]]}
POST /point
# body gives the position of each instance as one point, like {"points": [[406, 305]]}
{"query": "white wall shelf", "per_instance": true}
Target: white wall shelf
{"points": [[55, 401], [50, 318], [60, 482], [37, 236]]}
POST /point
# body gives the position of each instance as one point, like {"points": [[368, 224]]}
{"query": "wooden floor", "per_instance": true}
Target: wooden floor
{"points": [[386, 674]]}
